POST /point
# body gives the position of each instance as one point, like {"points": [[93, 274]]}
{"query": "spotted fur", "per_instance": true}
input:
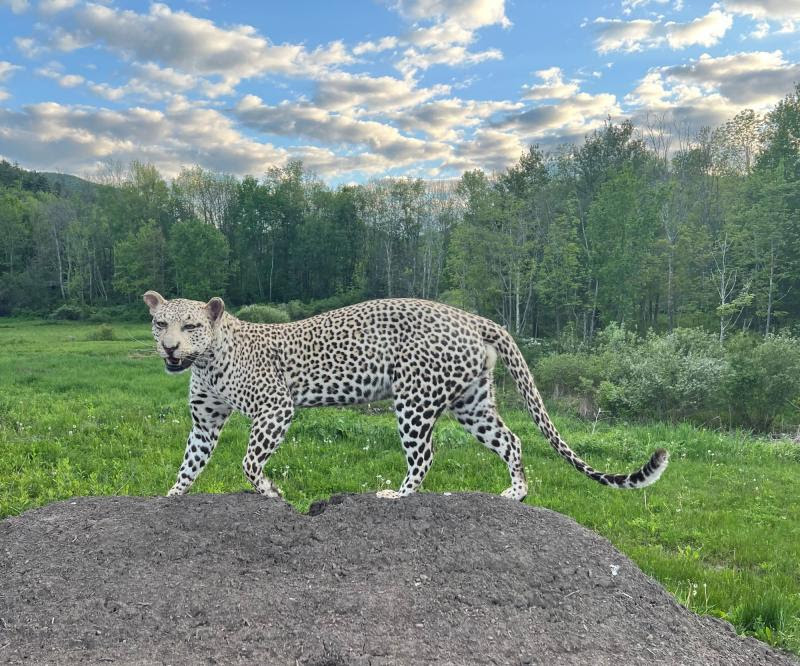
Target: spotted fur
{"points": [[426, 356]]}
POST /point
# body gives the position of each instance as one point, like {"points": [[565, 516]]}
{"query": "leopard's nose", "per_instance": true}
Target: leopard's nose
{"points": [[170, 350]]}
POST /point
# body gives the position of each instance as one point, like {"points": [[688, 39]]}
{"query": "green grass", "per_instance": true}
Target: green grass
{"points": [[720, 530]]}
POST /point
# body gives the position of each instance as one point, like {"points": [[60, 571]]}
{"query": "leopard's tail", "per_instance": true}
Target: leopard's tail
{"points": [[509, 352]]}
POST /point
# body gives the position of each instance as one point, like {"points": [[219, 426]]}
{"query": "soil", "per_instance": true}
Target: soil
{"points": [[240, 579]]}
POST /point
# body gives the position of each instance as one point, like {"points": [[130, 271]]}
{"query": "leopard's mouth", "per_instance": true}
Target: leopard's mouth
{"points": [[178, 364]]}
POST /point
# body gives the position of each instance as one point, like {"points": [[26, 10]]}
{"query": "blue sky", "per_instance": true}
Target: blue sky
{"points": [[362, 89]]}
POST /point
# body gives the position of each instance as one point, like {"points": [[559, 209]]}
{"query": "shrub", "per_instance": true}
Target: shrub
{"points": [[68, 312], [132, 312], [569, 374], [299, 310], [763, 387], [456, 298], [678, 375], [263, 314], [102, 333]]}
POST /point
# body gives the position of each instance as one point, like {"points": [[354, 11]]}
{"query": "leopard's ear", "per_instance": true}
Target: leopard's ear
{"points": [[215, 308], [153, 300]]}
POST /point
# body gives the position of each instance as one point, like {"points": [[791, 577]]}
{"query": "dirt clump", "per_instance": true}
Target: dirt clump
{"points": [[240, 579]]}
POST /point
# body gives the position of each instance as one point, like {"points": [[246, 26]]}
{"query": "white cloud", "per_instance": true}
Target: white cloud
{"points": [[443, 30], [71, 80], [440, 34], [629, 5], [760, 31], [341, 91], [786, 13], [765, 9], [7, 69], [751, 79], [641, 34], [383, 44], [190, 44], [490, 149], [704, 31], [53, 71], [469, 14], [78, 140], [55, 6], [451, 55], [553, 85], [443, 119], [629, 36], [580, 113], [310, 122], [16, 6], [151, 83], [443, 43], [28, 47], [709, 90]]}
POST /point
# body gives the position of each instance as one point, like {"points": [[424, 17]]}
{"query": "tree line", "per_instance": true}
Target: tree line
{"points": [[647, 227]]}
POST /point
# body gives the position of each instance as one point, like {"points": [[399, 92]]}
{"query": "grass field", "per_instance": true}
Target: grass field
{"points": [[720, 530]]}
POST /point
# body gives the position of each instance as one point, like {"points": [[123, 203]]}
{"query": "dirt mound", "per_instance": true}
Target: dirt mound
{"points": [[241, 579]]}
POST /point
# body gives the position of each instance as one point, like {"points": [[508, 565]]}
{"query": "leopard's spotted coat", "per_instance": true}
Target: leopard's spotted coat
{"points": [[426, 356]]}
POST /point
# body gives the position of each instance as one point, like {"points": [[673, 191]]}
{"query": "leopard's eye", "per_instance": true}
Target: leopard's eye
{"points": [[160, 324], [190, 327]]}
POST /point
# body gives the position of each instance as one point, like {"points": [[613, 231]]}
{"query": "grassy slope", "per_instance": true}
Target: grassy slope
{"points": [[721, 530]]}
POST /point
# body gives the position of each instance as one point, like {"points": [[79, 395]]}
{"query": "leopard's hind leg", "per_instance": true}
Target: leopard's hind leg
{"points": [[476, 410]]}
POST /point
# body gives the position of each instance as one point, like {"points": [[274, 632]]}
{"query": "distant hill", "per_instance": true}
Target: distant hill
{"points": [[12, 175], [64, 183]]}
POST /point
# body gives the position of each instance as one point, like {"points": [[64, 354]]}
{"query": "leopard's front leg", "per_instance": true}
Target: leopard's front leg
{"points": [[208, 416], [266, 433]]}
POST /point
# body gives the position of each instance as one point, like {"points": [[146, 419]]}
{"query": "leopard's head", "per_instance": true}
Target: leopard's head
{"points": [[183, 329]]}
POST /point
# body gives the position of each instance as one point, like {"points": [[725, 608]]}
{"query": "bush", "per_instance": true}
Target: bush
{"points": [[68, 312], [102, 333], [674, 376], [299, 310], [569, 374], [683, 375], [763, 387], [455, 298], [263, 314], [132, 312]]}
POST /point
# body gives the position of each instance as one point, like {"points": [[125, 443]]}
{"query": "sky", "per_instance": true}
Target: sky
{"points": [[365, 89]]}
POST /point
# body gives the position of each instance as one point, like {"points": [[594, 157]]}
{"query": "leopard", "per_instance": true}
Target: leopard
{"points": [[424, 356]]}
